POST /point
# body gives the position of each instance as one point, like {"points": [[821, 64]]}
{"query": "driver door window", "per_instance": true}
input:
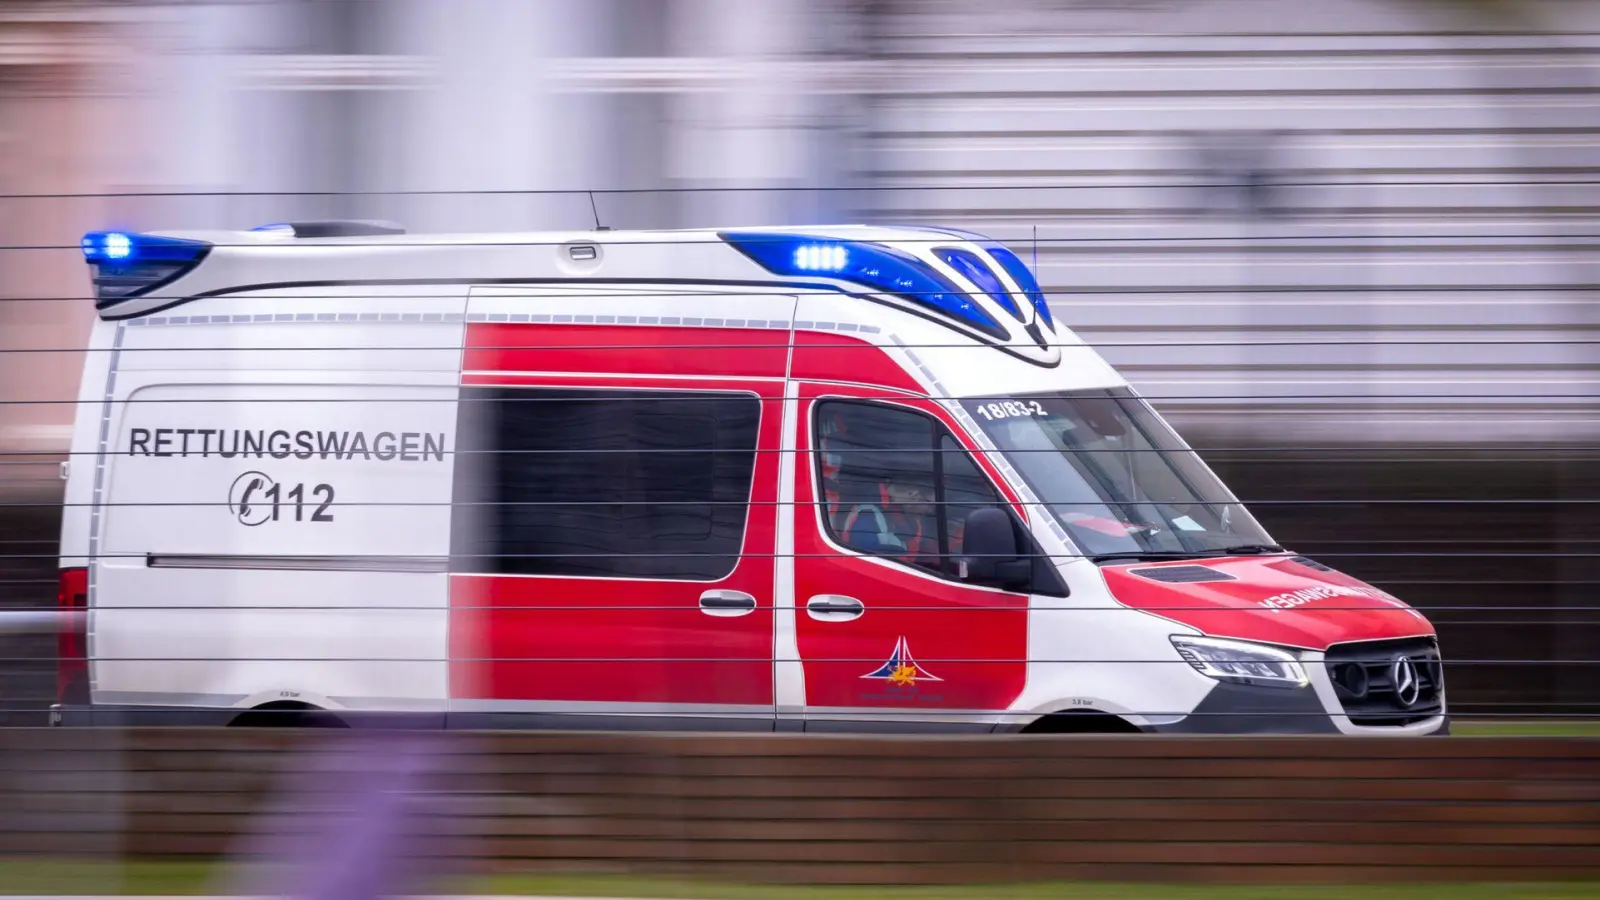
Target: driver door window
{"points": [[897, 484], [966, 489]]}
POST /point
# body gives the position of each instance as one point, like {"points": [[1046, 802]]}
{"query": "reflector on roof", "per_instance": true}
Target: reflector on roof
{"points": [[129, 264], [873, 266], [334, 228]]}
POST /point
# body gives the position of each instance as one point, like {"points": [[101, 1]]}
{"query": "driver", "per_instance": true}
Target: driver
{"points": [[901, 525]]}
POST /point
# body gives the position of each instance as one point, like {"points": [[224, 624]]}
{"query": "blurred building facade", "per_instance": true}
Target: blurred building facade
{"points": [[1303, 174], [56, 61], [1291, 222]]}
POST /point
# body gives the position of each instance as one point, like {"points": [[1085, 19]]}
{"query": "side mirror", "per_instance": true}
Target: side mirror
{"points": [[990, 554]]}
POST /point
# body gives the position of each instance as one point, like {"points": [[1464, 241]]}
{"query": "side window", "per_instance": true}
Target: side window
{"points": [[877, 474], [633, 484], [895, 483], [966, 488]]}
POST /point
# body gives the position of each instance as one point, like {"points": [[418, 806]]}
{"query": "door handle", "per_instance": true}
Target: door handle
{"points": [[727, 603], [834, 608]]}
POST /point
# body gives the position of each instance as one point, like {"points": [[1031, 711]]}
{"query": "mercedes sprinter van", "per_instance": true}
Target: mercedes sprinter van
{"points": [[821, 478]]}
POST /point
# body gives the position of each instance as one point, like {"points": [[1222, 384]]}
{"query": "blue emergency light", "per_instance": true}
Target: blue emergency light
{"points": [[968, 264], [127, 264], [873, 266], [1014, 266], [1019, 273]]}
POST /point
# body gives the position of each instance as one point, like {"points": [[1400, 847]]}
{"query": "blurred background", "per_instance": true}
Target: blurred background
{"points": [[1348, 246]]}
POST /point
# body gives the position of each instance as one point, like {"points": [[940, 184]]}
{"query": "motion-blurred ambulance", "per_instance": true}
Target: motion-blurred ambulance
{"points": [[782, 479]]}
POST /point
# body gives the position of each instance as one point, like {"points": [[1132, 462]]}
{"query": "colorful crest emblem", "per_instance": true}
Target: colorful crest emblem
{"points": [[901, 669]]}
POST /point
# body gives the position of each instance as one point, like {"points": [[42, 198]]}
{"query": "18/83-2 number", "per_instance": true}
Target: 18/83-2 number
{"points": [[1009, 409]]}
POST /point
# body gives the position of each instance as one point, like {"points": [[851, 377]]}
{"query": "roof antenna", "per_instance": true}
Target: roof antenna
{"points": [[596, 210]]}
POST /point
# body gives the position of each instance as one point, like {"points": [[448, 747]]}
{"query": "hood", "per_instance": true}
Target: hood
{"points": [[1284, 600]]}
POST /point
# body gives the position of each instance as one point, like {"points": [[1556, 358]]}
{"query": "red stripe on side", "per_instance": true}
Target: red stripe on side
{"points": [[835, 357], [626, 349]]}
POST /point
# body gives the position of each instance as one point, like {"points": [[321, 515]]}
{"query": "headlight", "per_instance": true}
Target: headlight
{"points": [[1240, 662]]}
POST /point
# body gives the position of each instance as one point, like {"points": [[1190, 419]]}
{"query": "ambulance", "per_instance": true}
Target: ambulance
{"points": [[848, 478]]}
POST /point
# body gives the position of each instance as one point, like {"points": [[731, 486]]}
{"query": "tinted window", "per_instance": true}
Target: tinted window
{"points": [[896, 483], [966, 488], [636, 484]]}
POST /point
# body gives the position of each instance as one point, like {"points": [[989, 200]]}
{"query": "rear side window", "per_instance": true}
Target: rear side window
{"points": [[603, 483]]}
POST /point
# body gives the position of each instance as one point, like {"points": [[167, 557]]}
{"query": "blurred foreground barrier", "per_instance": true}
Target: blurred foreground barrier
{"points": [[829, 809], [36, 621]]}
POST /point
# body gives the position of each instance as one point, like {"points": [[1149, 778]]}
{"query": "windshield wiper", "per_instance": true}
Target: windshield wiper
{"points": [[1250, 549], [1155, 555], [1170, 555]]}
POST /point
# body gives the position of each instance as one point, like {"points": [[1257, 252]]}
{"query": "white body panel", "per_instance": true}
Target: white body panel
{"points": [[354, 423]]}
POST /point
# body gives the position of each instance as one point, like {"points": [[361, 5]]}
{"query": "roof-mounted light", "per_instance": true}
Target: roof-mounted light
{"points": [[821, 257], [1008, 260], [129, 264], [972, 267], [116, 246], [873, 266], [1024, 279]]}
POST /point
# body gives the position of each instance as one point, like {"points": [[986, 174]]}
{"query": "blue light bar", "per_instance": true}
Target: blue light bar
{"points": [[973, 268], [1024, 279], [821, 257], [129, 264], [1014, 266], [872, 266]]}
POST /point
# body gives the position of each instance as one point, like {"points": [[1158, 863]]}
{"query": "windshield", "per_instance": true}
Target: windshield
{"points": [[1118, 479]]}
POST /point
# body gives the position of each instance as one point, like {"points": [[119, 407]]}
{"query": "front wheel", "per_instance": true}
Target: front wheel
{"points": [[1081, 722], [287, 715]]}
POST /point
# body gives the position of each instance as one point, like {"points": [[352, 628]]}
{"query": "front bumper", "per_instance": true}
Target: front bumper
{"points": [[1239, 709]]}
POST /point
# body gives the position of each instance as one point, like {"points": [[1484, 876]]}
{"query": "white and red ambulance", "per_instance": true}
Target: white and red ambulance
{"points": [[843, 478]]}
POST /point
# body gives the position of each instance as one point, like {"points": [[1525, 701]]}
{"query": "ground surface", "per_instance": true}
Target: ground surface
{"points": [[82, 879]]}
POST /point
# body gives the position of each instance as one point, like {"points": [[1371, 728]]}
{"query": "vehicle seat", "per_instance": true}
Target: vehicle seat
{"points": [[870, 532]]}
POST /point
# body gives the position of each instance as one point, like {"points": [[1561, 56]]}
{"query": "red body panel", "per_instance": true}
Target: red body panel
{"points": [[1274, 600], [967, 646], [519, 638], [554, 638]]}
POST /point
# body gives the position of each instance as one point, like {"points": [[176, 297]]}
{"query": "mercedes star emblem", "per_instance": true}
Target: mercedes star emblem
{"points": [[1407, 687]]}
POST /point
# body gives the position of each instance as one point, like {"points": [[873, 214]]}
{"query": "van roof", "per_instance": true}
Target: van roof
{"points": [[278, 234], [964, 281]]}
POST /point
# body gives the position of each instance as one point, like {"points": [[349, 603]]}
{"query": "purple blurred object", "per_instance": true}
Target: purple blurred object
{"points": [[342, 824]]}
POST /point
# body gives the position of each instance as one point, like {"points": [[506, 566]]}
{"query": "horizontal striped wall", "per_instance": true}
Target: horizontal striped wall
{"points": [[789, 808], [1418, 259]]}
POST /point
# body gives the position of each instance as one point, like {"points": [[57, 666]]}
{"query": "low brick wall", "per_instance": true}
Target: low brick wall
{"points": [[794, 808]]}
